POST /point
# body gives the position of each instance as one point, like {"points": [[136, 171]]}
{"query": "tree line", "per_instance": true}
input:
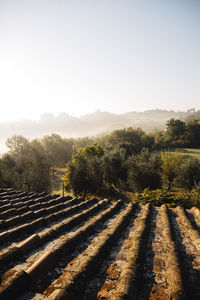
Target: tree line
{"points": [[123, 160], [96, 171], [179, 134], [30, 165]]}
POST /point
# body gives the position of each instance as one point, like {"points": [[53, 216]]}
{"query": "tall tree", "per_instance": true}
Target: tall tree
{"points": [[193, 133], [170, 165], [144, 171], [84, 173], [58, 150], [26, 165]]}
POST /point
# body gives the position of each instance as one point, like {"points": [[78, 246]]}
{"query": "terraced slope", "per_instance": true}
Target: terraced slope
{"points": [[54, 247]]}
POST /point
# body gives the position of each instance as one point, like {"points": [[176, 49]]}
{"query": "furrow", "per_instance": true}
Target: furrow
{"points": [[79, 272], [16, 233], [81, 239], [51, 255], [13, 210], [187, 240], [104, 284], [187, 226], [126, 285], [168, 278], [194, 216], [28, 213], [14, 253]]}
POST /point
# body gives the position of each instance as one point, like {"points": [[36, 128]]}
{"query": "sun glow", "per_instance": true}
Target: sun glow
{"points": [[79, 58]]}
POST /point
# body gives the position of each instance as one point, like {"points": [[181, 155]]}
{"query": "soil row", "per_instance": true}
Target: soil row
{"points": [[13, 253], [78, 273], [77, 249], [187, 241], [64, 245], [15, 216]]}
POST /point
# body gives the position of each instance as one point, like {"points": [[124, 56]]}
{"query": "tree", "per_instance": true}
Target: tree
{"points": [[193, 133], [84, 173], [175, 133], [7, 171], [20, 152], [144, 171], [160, 140], [81, 143], [58, 150], [40, 171], [114, 169], [129, 139], [175, 128], [170, 164], [89, 151], [189, 173], [16, 144], [26, 166]]}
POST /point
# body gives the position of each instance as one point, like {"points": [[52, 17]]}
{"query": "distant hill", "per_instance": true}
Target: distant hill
{"points": [[90, 124]]}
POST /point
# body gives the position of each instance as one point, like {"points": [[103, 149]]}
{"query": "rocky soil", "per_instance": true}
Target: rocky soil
{"points": [[54, 247]]}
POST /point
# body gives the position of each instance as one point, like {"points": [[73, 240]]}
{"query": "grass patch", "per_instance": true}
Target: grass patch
{"points": [[195, 153], [192, 150], [186, 199]]}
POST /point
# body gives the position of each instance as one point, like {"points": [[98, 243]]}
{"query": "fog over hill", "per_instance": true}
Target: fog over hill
{"points": [[88, 125]]}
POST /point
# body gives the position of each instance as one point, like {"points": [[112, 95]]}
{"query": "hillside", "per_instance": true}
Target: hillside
{"points": [[61, 248], [87, 125]]}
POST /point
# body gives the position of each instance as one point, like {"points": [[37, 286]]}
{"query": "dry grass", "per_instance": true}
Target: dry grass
{"points": [[186, 152]]}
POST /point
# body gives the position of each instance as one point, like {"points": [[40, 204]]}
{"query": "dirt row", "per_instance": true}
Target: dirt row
{"points": [[17, 232], [104, 250], [48, 256], [55, 226], [22, 212]]}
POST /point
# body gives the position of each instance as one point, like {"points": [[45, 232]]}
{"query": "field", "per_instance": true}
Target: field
{"points": [[187, 152], [54, 247]]}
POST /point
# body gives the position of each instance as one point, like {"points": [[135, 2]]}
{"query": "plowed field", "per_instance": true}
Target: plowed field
{"points": [[54, 247]]}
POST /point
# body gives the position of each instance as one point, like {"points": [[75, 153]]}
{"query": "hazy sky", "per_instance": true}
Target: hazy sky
{"points": [[80, 56]]}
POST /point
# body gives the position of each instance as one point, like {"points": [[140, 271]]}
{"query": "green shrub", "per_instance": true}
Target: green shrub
{"points": [[171, 199], [144, 171]]}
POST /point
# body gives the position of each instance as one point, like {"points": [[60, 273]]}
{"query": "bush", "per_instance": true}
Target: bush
{"points": [[188, 173], [114, 169], [171, 199], [84, 175], [144, 171]]}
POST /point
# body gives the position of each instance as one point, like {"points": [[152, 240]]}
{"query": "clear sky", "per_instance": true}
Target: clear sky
{"points": [[79, 56]]}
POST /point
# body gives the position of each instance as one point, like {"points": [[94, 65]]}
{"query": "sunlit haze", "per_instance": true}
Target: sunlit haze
{"points": [[80, 56]]}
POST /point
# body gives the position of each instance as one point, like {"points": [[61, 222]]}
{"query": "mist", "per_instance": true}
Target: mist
{"points": [[87, 125]]}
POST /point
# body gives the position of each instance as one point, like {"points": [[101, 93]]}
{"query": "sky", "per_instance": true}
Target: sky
{"points": [[78, 56]]}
